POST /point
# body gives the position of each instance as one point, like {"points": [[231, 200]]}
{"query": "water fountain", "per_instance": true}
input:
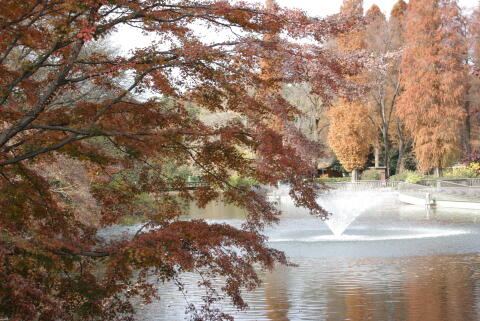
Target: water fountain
{"points": [[346, 206]]}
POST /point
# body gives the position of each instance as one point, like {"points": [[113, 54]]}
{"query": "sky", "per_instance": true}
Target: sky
{"points": [[129, 38], [326, 7]]}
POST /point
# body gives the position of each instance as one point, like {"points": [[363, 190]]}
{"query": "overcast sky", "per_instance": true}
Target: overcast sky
{"points": [[326, 7], [128, 38]]}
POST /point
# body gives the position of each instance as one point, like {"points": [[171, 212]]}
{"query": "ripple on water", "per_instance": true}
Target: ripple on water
{"points": [[384, 234]]}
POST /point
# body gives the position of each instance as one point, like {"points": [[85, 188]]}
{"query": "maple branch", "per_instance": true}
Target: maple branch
{"points": [[59, 128], [41, 150], [13, 183], [22, 18], [206, 170], [36, 65], [17, 37], [65, 141], [119, 98], [42, 101], [8, 148], [29, 72], [66, 98], [118, 147], [94, 254]]}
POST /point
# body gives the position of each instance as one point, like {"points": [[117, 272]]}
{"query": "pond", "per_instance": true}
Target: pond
{"points": [[394, 262]]}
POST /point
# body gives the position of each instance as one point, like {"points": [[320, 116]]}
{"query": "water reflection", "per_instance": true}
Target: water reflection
{"points": [[431, 279], [413, 289], [276, 296], [439, 291]]}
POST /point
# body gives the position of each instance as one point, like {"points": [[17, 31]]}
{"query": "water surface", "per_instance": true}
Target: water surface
{"points": [[394, 262]]}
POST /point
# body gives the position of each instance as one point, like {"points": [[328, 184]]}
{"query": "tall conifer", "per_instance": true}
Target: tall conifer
{"points": [[473, 100], [349, 119], [433, 79]]}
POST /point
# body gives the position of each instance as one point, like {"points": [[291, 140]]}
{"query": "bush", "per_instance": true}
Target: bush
{"points": [[371, 175], [472, 158], [470, 171], [414, 177], [400, 177], [337, 166], [475, 166]]}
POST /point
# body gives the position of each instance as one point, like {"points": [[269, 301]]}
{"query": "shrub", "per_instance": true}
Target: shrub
{"points": [[470, 171], [371, 175], [401, 177], [472, 158], [475, 166], [414, 177]]}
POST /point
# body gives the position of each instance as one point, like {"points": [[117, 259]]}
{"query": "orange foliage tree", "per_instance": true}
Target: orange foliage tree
{"points": [[350, 133], [376, 78], [472, 132], [55, 266], [350, 117], [433, 76], [354, 39]]}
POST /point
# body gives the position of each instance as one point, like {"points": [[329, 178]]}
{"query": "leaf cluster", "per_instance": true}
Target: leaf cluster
{"points": [[82, 124]]}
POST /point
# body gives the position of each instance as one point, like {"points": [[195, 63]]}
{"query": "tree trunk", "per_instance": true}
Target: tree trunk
{"points": [[401, 154], [402, 147], [467, 130], [355, 175], [386, 117], [386, 145], [377, 156], [438, 171]]}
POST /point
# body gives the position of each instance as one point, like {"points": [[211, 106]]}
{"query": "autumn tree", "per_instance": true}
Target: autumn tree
{"points": [[53, 264], [352, 7], [397, 23], [474, 34], [312, 120], [270, 72], [472, 103], [309, 100], [376, 39], [433, 77], [354, 39], [351, 134], [383, 43], [358, 117], [396, 26]]}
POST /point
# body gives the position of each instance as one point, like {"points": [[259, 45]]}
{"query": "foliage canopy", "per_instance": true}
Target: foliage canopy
{"points": [[53, 265]]}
